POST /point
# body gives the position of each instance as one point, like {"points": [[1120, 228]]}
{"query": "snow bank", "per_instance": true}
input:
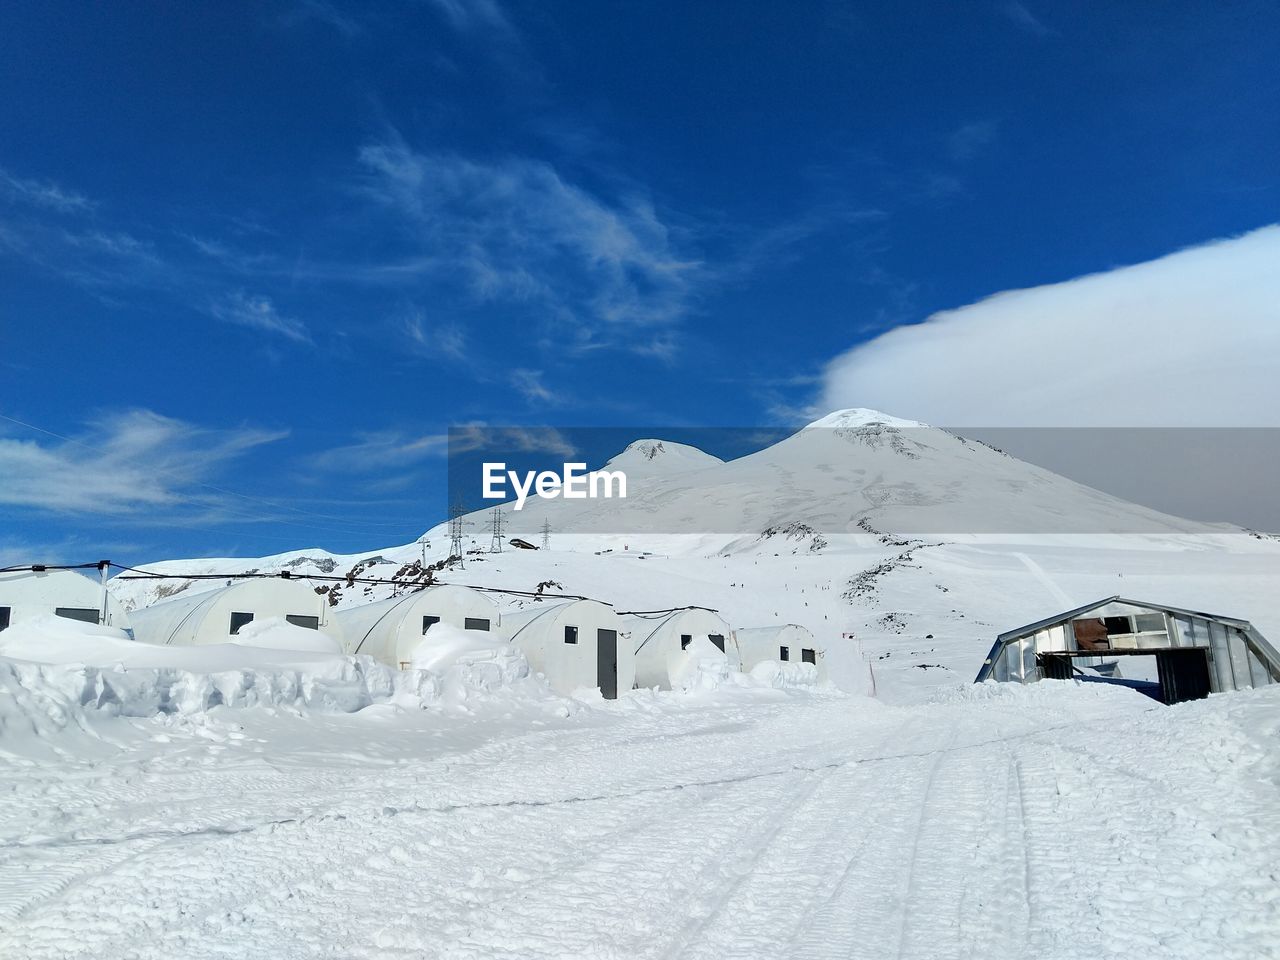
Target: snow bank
{"points": [[277, 633], [775, 673], [55, 673], [471, 660], [704, 666]]}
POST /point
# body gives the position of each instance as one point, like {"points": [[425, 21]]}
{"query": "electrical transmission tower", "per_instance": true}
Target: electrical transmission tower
{"points": [[546, 534], [495, 545], [456, 525]]}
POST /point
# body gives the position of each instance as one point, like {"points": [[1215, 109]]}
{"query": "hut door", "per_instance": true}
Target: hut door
{"points": [[607, 663]]}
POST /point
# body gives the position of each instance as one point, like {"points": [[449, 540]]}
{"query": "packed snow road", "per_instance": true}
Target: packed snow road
{"points": [[1053, 821]]}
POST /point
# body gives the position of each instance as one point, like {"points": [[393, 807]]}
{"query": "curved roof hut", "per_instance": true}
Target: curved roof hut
{"points": [[660, 642], [786, 642], [65, 593], [390, 630], [216, 616], [575, 644]]}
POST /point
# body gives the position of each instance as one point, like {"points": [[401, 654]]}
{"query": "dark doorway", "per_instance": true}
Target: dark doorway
{"points": [[607, 663], [4, 617], [809, 656], [1183, 671], [717, 639]]}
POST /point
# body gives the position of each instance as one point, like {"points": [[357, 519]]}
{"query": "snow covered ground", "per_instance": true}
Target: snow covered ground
{"points": [[1057, 820], [244, 801]]}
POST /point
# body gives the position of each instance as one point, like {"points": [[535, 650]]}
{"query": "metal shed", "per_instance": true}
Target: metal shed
{"points": [[1196, 653]]}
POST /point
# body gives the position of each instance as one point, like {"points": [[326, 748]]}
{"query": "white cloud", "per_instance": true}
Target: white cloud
{"points": [[381, 450], [972, 139], [1028, 21], [125, 463], [515, 230], [468, 15], [530, 386], [259, 313], [434, 340], [1190, 339], [42, 193]]}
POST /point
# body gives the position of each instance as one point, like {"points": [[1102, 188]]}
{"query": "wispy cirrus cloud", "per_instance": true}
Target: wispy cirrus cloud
{"points": [[124, 463], [1024, 19], [468, 16], [381, 450], [43, 193], [515, 230], [970, 140], [258, 313], [529, 384], [439, 339], [322, 12]]}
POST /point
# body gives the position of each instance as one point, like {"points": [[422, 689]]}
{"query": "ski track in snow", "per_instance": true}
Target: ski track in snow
{"points": [[1037, 823]]}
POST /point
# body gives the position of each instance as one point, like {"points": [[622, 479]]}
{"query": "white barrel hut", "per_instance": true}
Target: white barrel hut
{"points": [[575, 644], [65, 593], [216, 616], [661, 642], [787, 643], [390, 630]]}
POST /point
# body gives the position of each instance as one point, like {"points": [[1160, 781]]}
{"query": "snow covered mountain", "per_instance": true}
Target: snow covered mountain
{"points": [[849, 472]]}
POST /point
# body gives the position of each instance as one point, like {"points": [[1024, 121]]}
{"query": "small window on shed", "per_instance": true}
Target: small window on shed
{"points": [[428, 623], [570, 634], [87, 614], [238, 620], [1118, 625], [685, 640], [784, 653], [809, 656], [298, 620], [717, 639], [4, 617], [1150, 623], [476, 623]]}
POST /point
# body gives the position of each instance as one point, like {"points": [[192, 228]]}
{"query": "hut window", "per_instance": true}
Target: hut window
{"points": [[238, 620], [428, 622], [87, 614], [298, 620], [784, 653], [685, 640], [1150, 623], [1118, 625], [717, 639], [476, 623], [4, 617], [809, 656], [570, 634]]}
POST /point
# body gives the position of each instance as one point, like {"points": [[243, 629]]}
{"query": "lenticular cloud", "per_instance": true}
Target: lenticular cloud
{"points": [[1190, 339]]}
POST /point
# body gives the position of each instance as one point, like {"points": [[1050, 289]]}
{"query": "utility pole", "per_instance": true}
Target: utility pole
{"points": [[104, 568], [495, 545], [546, 534], [456, 524]]}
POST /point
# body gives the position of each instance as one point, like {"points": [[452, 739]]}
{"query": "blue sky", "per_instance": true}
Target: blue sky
{"points": [[255, 258]]}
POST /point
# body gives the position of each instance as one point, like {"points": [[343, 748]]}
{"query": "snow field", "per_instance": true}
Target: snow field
{"points": [[1054, 821]]}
